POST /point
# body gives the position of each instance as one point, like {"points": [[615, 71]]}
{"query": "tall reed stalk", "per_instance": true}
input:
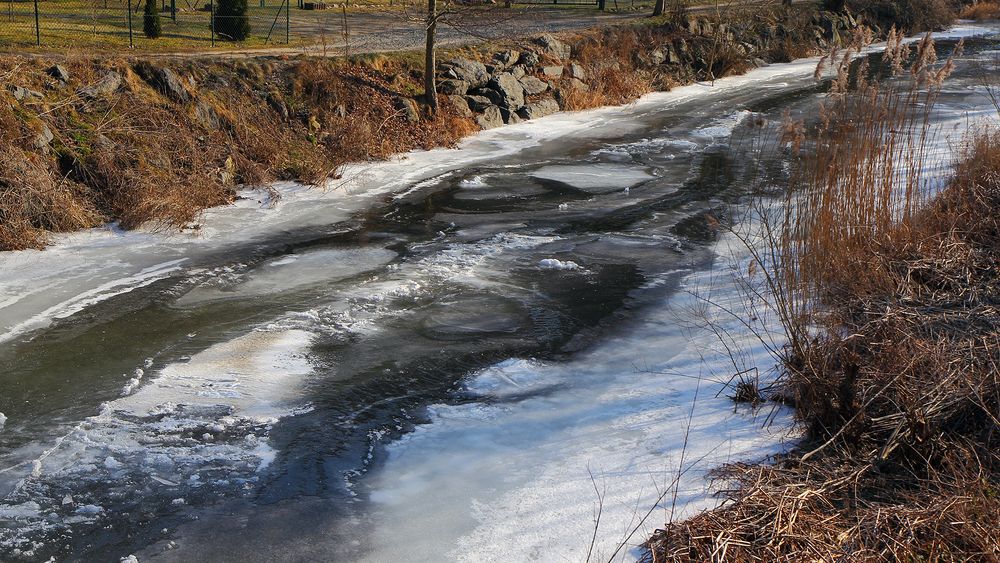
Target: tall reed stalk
{"points": [[857, 179]]}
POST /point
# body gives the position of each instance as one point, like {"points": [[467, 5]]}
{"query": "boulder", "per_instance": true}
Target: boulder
{"points": [[460, 104], [164, 80], [577, 84], [533, 85], [473, 72], [518, 71], [529, 59], [510, 117], [24, 94], [491, 118], [553, 71], [58, 72], [541, 108], [105, 86], [553, 47], [576, 71], [454, 87], [657, 57], [478, 103], [509, 89], [408, 108], [206, 115], [43, 139], [506, 59]]}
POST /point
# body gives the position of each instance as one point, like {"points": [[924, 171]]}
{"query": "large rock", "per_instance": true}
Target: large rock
{"points": [[506, 59], [553, 47], [553, 71], [533, 86], [22, 94], [164, 80], [105, 86], [511, 93], [576, 71], [541, 108], [510, 117], [454, 87], [491, 118], [408, 108], [530, 59], [59, 72], [460, 104], [473, 72], [43, 139], [478, 103], [206, 115]]}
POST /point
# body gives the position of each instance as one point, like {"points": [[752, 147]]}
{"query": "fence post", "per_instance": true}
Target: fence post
{"points": [[130, 44], [173, 10], [600, 5], [38, 31], [288, 21], [211, 14]]}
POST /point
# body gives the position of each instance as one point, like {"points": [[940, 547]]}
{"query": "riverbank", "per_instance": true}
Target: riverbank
{"points": [[93, 140], [887, 292]]}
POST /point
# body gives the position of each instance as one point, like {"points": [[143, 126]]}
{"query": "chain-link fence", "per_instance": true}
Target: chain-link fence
{"points": [[308, 26], [160, 25]]}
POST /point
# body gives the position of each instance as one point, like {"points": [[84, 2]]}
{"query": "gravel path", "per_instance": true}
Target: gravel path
{"points": [[383, 32]]}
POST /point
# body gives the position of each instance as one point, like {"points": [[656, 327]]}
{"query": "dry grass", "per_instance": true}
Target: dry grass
{"points": [[140, 157], [909, 16], [889, 300], [981, 11]]}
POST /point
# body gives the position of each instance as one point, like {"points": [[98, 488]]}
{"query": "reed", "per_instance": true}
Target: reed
{"points": [[887, 288]]}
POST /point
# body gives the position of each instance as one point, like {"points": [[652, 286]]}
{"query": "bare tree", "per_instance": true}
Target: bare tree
{"points": [[481, 22], [430, 58]]}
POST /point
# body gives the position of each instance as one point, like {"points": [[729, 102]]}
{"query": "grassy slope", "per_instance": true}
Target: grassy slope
{"points": [[139, 156]]}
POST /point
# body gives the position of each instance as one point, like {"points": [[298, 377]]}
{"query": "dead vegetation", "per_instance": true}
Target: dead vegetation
{"points": [[142, 153], [889, 300], [909, 16], [981, 11], [172, 138]]}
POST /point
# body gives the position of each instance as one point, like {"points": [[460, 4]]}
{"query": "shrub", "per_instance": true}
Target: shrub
{"points": [[151, 20], [906, 15], [981, 11], [231, 20]]}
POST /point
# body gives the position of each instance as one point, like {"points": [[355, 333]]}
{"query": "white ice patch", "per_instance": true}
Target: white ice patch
{"points": [[3, 421], [556, 264], [474, 182], [724, 126], [595, 178], [292, 272], [200, 424], [520, 476]]}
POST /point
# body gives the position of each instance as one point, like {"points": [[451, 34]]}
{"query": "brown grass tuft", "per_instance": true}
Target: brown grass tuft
{"points": [[981, 11]]}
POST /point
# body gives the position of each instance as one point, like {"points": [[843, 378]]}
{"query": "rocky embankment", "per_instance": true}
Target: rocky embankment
{"points": [[90, 140], [543, 75]]}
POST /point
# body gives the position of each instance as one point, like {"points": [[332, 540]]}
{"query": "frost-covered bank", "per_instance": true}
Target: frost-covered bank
{"points": [[90, 140]]}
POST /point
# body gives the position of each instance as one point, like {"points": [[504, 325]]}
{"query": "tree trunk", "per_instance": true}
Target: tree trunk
{"points": [[659, 7], [430, 65]]}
